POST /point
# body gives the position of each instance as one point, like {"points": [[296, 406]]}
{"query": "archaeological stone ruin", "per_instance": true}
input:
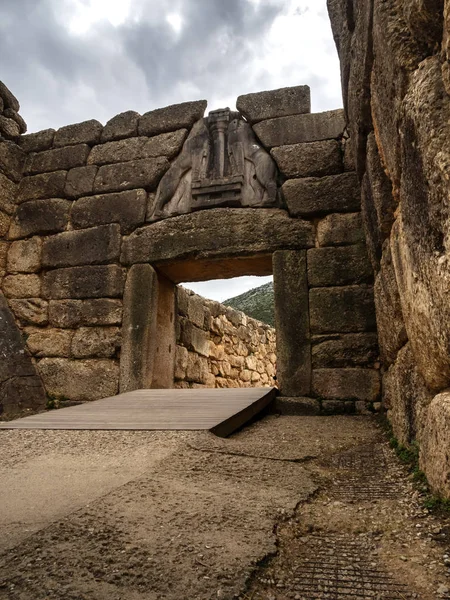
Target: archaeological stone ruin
{"points": [[348, 209]]}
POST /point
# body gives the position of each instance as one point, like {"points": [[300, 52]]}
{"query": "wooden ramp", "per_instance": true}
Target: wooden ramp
{"points": [[221, 411]]}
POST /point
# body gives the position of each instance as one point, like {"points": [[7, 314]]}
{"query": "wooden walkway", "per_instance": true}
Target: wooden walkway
{"points": [[221, 411]]}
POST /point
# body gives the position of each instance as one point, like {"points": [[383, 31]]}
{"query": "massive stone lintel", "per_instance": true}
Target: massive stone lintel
{"points": [[221, 164]]}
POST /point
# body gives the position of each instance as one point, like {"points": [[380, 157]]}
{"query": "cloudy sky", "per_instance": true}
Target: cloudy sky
{"points": [[72, 60]]}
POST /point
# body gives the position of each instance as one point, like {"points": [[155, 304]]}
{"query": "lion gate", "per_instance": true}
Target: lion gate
{"points": [[102, 223]]}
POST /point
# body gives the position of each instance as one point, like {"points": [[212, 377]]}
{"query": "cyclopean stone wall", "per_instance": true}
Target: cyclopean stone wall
{"points": [[218, 346], [20, 386], [106, 220], [395, 78]]}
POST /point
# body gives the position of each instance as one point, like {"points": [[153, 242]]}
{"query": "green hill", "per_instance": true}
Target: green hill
{"points": [[257, 303]]}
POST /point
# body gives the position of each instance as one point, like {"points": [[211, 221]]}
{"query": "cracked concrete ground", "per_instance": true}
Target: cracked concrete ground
{"points": [[94, 515]]}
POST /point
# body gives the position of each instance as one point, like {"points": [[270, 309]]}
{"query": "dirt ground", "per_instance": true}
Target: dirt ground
{"points": [[289, 508]]}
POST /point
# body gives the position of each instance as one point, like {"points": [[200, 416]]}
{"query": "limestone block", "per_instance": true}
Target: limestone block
{"points": [[58, 159], [65, 313], [234, 316], [88, 132], [250, 362], [83, 282], [181, 362], [216, 351], [37, 142], [314, 159], [46, 185], [9, 100], [8, 191], [123, 125], [347, 309], [171, 118], [5, 221], [390, 324], [102, 342], [165, 144], [12, 160], [318, 195], [96, 245], [196, 311], [338, 266], [292, 322], [4, 246], [126, 208], [182, 301], [346, 384], [197, 368], [225, 368], [14, 115], [32, 311], [79, 379], [194, 338], [297, 129], [101, 311], [435, 442], [297, 406], [255, 377], [24, 256], [245, 375], [344, 350], [9, 128], [48, 342], [236, 361], [275, 103], [80, 181], [144, 173], [217, 232], [406, 397], [40, 217], [22, 286], [338, 229]]}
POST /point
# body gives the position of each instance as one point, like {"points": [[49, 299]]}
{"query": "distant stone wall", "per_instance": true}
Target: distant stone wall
{"points": [[218, 346]]}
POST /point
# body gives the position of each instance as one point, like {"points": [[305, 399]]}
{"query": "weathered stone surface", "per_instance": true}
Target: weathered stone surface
{"points": [[88, 132], [126, 208], [139, 329], [58, 159], [275, 103], [340, 229], [435, 442], [170, 118], [80, 181], [9, 128], [12, 160], [46, 185], [196, 311], [406, 397], [37, 142], [292, 323], [31, 311], [48, 342], [181, 361], [344, 350], [342, 309], [97, 245], [390, 323], [297, 406], [197, 368], [338, 266], [165, 144], [79, 379], [145, 173], [74, 313], [318, 195], [123, 125], [40, 217], [22, 286], [83, 282], [217, 232], [25, 256], [5, 221], [297, 129], [9, 100], [12, 114], [102, 342], [315, 159], [347, 384], [194, 338], [8, 190]]}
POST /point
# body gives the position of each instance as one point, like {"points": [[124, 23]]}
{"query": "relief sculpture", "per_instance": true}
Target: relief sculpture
{"points": [[221, 164]]}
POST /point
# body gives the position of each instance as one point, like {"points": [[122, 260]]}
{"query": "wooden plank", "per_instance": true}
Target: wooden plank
{"points": [[221, 411]]}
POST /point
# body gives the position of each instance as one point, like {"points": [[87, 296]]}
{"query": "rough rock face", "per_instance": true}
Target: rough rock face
{"points": [[395, 78]]}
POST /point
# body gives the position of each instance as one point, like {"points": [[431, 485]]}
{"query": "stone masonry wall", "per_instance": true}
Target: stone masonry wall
{"points": [[218, 346], [83, 215], [396, 86]]}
